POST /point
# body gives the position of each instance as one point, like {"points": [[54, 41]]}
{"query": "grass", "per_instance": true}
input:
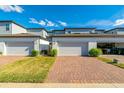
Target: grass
{"points": [[121, 65], [104, 59], [33, 70]]}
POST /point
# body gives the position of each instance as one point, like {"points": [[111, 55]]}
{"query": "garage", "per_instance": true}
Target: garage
{"points": [[19, 48], [72, 49]]}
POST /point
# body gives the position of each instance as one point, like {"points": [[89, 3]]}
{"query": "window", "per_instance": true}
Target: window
{"points": [[69, 32], [7, 27]]}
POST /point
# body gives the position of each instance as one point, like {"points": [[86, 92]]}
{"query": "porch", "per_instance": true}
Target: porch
{"points": [[111, 48]]}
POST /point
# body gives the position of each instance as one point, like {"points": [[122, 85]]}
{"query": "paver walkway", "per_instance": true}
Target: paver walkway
{"points": [[7, 59], [84, 70]]}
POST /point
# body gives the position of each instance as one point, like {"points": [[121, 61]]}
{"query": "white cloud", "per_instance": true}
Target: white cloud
{"points": [[41, 22], [62, 23], [119, 22], [49, 23], [44, 22], [11, 8]]}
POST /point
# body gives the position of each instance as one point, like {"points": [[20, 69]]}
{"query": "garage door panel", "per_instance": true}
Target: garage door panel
{"points": [[72, 49], [19, 48]]}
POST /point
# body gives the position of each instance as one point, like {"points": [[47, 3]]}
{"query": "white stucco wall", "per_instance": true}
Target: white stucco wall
{"points": [[88, 39], [92, 45], [120, 32], [3, 48], [17, 29], [3, 28], [37, 45], [34, 41], [40, 32]]}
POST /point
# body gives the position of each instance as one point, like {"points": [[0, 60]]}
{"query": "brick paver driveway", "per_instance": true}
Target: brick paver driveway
{"points": [[84, 70], [8, 59]]}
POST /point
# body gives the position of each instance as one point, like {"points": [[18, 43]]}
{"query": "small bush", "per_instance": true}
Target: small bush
{"points": [[95, 52], [34, 53], [1, 53], [53, 52]]}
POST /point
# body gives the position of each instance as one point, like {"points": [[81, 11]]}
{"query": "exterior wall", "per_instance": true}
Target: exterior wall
{"points": [[88, 39], [3, 28], [92, 45], [19, 48], [120, 32], [40, 32], [79, 31], [116, 31], [92, 41], [17, 29], [3, 48], [44, 45], [111, 32], [3, 42], [37, 45], [55, 45], [58, 32]]}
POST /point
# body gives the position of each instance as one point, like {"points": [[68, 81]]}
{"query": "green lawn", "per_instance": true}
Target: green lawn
{"points": [[121, 65], [33, 69]]}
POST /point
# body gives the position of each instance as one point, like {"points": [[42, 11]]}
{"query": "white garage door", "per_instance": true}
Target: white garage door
{"points": [[73, 49], [19, 48]]}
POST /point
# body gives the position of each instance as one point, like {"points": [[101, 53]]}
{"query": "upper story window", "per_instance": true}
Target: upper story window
{"points": [[69, 32], [7, 27]]}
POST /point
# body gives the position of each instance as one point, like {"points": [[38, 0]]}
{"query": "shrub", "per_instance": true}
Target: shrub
{"points": [[34, 53], [95, 52], [1, 53], [53, 52]]}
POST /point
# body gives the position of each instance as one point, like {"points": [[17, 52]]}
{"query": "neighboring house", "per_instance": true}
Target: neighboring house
{"points": [[115, 31], [17, 40], [44, 44], [78, 41]]}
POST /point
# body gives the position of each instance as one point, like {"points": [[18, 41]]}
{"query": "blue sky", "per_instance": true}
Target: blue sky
{"points": [[59, 17]]}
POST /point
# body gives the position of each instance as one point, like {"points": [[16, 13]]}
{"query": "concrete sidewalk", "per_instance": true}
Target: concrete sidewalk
{"points": [[60, 85]]}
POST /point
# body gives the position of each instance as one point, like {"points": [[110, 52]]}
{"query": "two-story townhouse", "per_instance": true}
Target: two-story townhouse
{"points": [[44, 44], [15, 39], [78, 41]]}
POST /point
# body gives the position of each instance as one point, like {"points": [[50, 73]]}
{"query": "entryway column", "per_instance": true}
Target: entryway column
{"points": [[92, 45], [37, 45]]}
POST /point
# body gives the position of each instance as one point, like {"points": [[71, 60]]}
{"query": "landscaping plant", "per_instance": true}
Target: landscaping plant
{"points": [[95, 52], [53, 52], [34, 53]]}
